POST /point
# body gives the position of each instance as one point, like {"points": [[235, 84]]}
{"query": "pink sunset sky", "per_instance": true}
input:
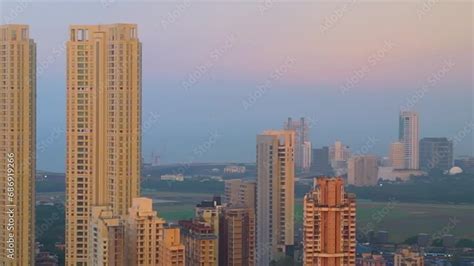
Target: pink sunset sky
{"points": [[352, 65]]}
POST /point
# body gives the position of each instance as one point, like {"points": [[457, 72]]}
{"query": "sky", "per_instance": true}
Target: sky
{"points": [[215, 74]]}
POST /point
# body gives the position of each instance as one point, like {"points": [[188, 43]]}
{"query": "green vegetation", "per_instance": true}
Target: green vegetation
{"points": [[465, 243], [411, 240], [403, 220], [436, 188], [50, 185], [175, 212], [284, 261], [209, 187], [50, 226]]}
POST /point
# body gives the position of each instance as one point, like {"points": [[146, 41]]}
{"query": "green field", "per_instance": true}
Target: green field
{"points": [[403, 220], [176, 206]]}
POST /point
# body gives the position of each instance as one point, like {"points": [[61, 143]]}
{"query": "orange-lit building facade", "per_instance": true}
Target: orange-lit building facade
{"points": [[171, 249], [103, 129], [144, 233], [329, 228], [368, 259], [17, 145], [237, 236], [275, 195], [407, 257], [200, 243]]}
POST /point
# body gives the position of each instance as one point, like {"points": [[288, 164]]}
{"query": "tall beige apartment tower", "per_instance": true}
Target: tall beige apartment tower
{"points": [[144, 233], [171, 249], [362, 170], [408, 135], [107, 241], [103, 132], [275, 195], [240, 192], [17, 145], [329, 227], [237, 236], [397, 155], [302, 144]]}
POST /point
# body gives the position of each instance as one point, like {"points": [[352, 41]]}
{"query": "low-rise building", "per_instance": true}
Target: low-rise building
{"points": [[200, 243], [171, 248], [234, 169], [177, 177], [408, 257], [368, 259]]}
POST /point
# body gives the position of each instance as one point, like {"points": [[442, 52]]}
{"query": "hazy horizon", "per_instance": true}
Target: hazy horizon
{"points": [[215, 75]]}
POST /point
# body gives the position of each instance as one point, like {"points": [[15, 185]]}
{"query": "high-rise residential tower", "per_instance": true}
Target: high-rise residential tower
{"points": [[275, 195], [200, 243], [210, 212], [307, 151], [103, 132], [339, 154], [240, 192], [107, 241], [302, 142], [232, 191], [436, 153], [237, 236], [321, 161], [17, 145], [408, 135], [397, 155], [144, 233], [362, 170], [329, 227], [171, 249]]}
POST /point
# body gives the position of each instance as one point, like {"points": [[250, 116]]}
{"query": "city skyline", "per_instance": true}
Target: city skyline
{"points": [[376, 101], [308, 87]]}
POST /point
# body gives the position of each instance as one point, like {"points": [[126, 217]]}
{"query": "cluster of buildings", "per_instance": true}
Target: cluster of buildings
{"points": [[403, 257], [408, 156], [107, 220]]}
